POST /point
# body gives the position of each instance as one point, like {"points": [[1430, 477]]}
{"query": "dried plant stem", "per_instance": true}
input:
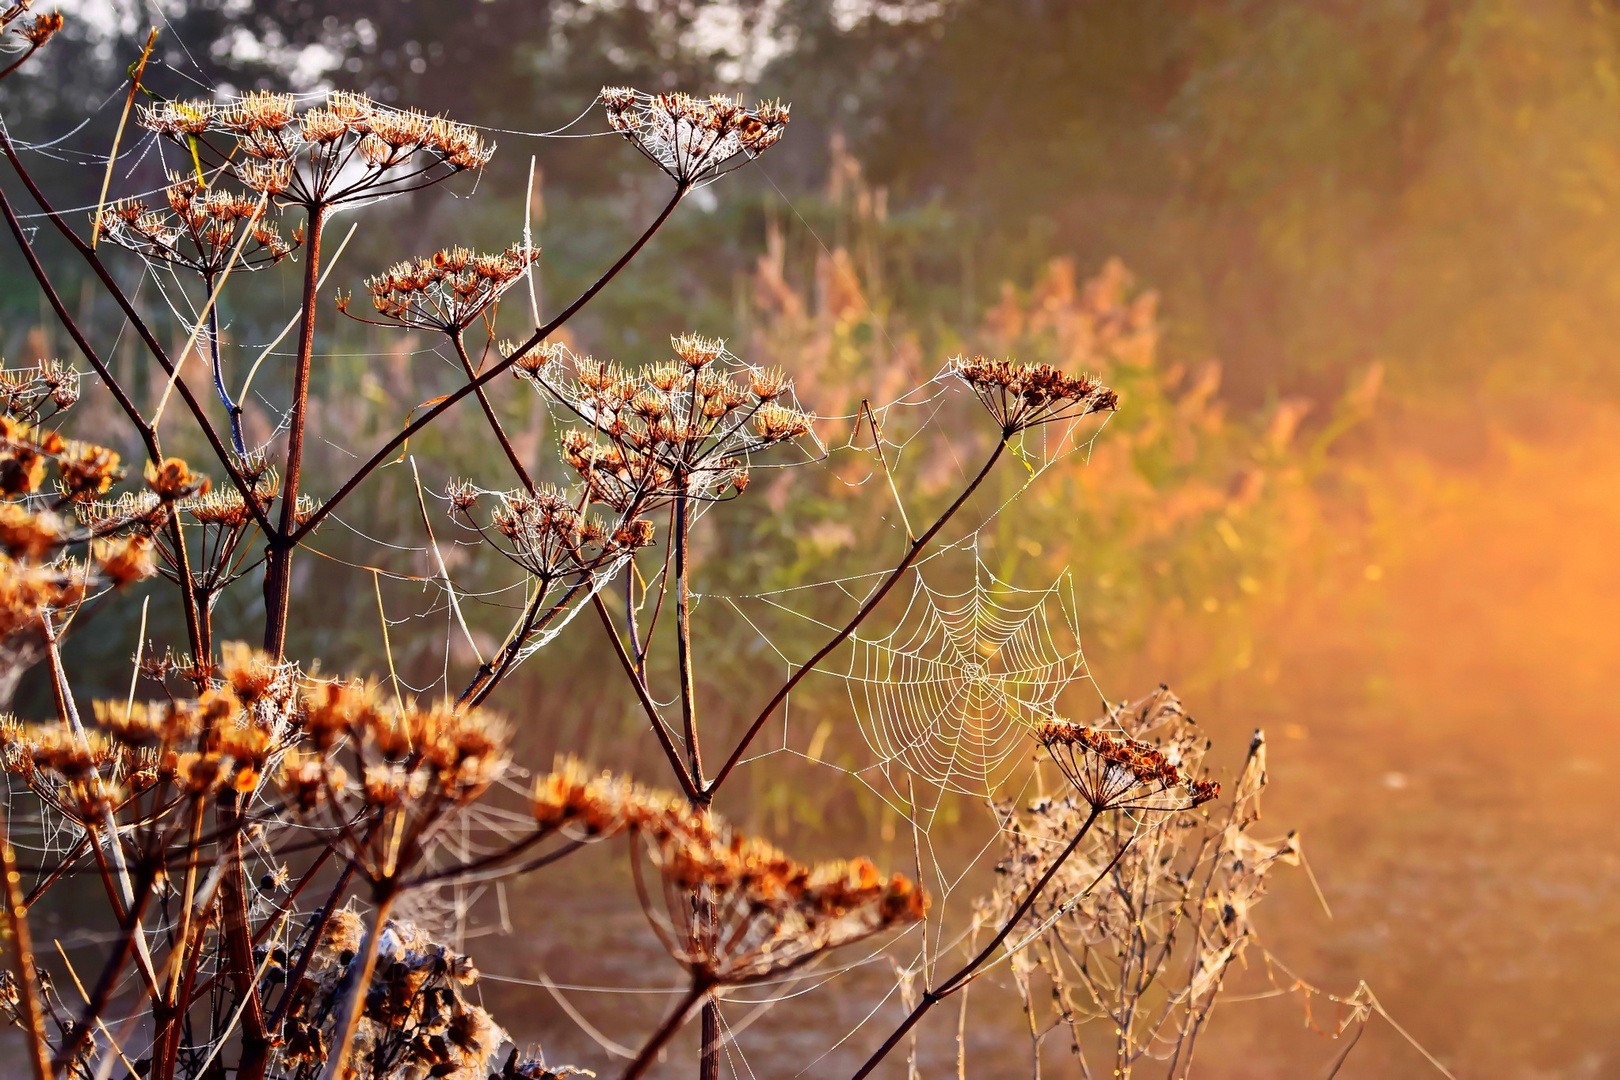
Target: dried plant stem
{"points": [[649, 1052], [648, 706], [343, 1037], [854, 624], [239, 943], [22, 953], [683, 634], [143, 331], [449, 400], [123, 119], [278, 567], [944, 989], [489, 413]]}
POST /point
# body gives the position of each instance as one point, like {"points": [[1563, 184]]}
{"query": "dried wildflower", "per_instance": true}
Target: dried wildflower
{"points": [[1114, 772], [549, 535], [125, 560], [29, 592], [684, 428], [412, 768], [86, 470], [737, 910], [694, 140], [199, 231], [173, 479], [1171, 913], [26, 393], [41, 29], [1022, 396], [29, 535], [346, 149], [447, 291]]}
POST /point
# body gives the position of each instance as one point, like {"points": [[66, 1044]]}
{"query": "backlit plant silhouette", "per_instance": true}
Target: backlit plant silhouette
{"points": [[254, 824]]}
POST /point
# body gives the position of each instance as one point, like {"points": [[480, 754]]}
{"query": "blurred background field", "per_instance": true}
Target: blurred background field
{"points": [[1354, 269]]}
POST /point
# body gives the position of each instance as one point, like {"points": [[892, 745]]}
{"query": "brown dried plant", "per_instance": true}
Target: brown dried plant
{"points": [[255, 828]]}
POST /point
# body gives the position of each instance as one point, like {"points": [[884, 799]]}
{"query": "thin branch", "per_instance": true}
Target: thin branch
{"points": [[688, 786], [449, 400], [867, 608]]}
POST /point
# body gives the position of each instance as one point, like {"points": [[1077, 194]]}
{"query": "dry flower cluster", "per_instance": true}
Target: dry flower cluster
{"points": [[255, 828], [1130, 941]]}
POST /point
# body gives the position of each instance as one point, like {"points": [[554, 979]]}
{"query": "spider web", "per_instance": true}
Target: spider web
{"points": [[951, 693]]}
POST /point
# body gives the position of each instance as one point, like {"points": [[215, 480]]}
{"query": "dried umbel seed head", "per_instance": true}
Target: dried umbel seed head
{"points": [[1022, 396], [686, 427], [598, 804], [346, 149], [201, 231], [691, 139], [461, 495], [41, 29], [779, 424], [87, 470], [769, 914], [447, 291], [36, 393], [1117, 772], [173, 479], [29, 535], [696, 351], [124, 560], [29, 592]]}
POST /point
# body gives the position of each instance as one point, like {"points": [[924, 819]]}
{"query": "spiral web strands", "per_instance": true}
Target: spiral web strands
{"points": [[951, 693]]}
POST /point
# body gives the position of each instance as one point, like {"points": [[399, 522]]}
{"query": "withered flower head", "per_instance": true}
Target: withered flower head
{"points": [[447, 291], [42, 28], [199, 231], [549, 534], [29, 535], [86, 471], [766, 913], [346, 149], [26, 393], [694, 140], [173, 479], [687, 427], [411, 768], [125, 559], [1113, 772], [1022, 396]]}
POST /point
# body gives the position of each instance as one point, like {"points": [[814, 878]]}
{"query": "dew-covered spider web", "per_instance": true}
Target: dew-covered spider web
{"points": [[951, 693]]}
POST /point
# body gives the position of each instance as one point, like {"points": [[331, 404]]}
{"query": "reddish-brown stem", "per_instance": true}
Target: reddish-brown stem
{"points": [[22, 947], [390, 448], [867, 608], [489, 414], [143, 331], [278, 567], [683, 633], [20, 61], [647, 704], [649, 1052], [239, 944], [311, 944], [956, 981]]}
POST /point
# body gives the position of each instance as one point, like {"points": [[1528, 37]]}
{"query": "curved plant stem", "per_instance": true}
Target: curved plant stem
{"points": [[665, 1032], [867, 608], [343, 1037]]}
